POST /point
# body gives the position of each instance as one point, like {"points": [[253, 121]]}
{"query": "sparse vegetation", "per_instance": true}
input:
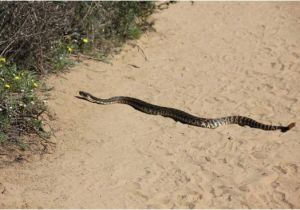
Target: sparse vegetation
{"points": [[36, 38], [19, 106]]}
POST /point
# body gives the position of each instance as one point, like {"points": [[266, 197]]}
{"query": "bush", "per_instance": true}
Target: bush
{"points": [[19, 106], [30, 31], [38, 37]]}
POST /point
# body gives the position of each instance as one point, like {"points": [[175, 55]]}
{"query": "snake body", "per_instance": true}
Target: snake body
{"points": [[182, 116]]}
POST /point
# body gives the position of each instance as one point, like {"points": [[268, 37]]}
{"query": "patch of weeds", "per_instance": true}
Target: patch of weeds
{"points": [[3, 137], [60, 52], [20, 107], [134, 31]]}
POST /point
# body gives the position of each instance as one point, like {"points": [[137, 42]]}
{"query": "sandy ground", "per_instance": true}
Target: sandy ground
{"points": [[209, 59]]}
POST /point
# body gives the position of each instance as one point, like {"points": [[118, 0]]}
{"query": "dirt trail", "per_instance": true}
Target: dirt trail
{"points": [[209, 59]]}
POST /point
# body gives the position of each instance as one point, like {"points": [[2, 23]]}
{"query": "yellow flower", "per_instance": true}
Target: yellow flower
{"points": [[17, 78], [2, 60], [85, 40], [2, 79], [70, 49], [35, 85], [7, 85]]}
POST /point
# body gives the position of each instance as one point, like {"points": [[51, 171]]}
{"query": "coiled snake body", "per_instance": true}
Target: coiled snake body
{"points": [[182, 116]]}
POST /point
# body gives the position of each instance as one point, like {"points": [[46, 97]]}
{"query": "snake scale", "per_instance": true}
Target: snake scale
{"points": [[182, 116]]}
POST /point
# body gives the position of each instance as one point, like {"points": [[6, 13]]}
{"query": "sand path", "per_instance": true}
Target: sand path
{"points": [[210, 59]]}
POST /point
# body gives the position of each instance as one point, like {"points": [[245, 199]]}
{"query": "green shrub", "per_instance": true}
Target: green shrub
{"points": [[19, 105], [30, 31], [38, 37]]}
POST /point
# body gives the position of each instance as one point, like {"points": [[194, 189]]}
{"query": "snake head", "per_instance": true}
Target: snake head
{"points": [[83, 94]]}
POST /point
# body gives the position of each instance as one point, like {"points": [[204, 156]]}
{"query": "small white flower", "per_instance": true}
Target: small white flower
{"points": [[10, 107], [32, 102], [1, 110], [23, 105], [22, 90]]}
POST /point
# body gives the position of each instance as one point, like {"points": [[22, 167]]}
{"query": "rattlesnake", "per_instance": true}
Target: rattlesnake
{"points": [[182, 116]]}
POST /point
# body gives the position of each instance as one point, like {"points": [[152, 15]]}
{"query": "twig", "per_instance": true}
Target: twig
{"points": [[139, 49], [92, 58], [133, 65]]}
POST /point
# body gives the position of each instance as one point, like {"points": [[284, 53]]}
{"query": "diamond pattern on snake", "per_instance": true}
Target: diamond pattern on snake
{"points": [[182, 116]]}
